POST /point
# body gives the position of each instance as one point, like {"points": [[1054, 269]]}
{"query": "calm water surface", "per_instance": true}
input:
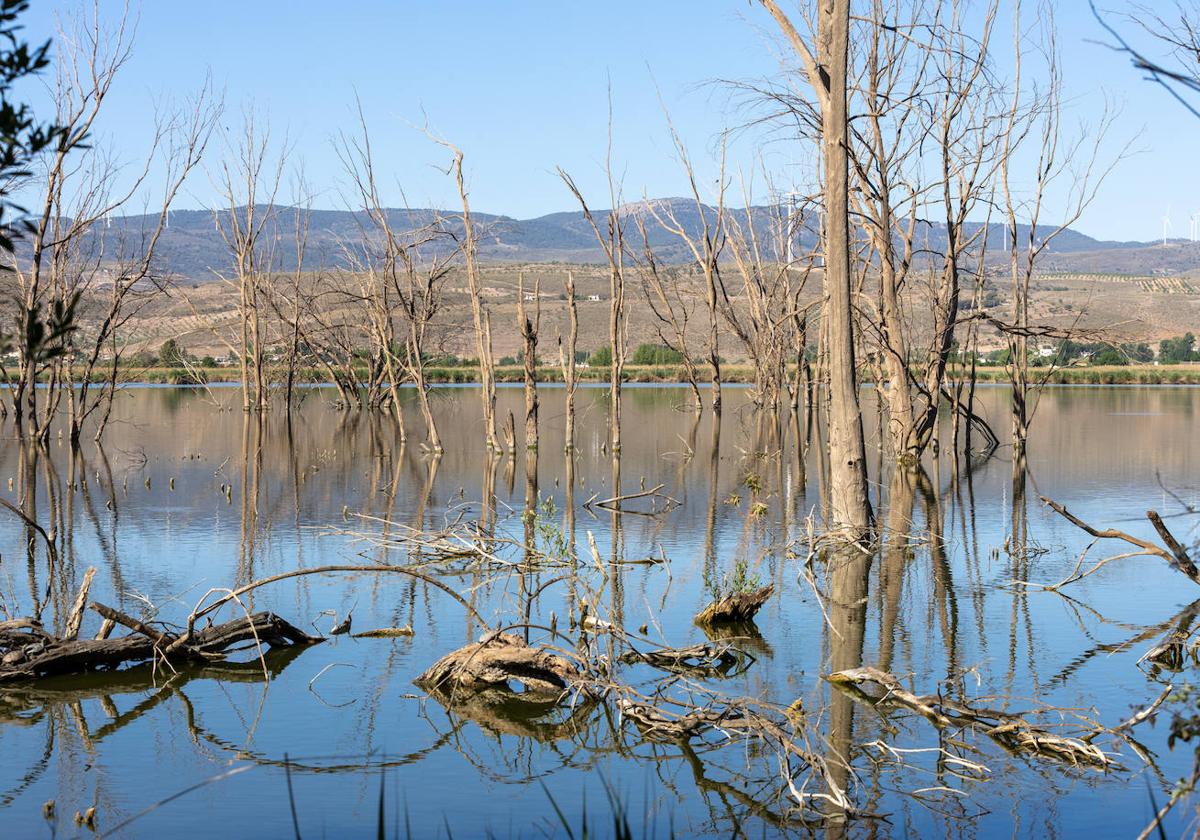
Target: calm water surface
{"points": [[940, 611]]}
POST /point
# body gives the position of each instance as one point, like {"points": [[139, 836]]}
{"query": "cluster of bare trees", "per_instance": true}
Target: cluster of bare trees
{"points": [[72, 258], [923, 141]]}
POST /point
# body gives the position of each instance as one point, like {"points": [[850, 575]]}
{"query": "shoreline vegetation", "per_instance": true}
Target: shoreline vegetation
{"points": [[731, 374]]}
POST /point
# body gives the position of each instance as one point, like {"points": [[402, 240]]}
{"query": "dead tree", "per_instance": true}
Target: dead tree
{"points": [[479, 312], [1035, 116], [567, 362], [249, 178], [529, 341], [704, 246], [826, 72], [612, 243], [671, 306]]}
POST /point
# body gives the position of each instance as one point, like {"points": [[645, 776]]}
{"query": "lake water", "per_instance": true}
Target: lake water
{"points": [[187, 494]]}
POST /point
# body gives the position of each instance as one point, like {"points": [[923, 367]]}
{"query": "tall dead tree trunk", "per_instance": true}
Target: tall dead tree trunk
{"points": [[568, 364], [849, 500], [529, 338]]}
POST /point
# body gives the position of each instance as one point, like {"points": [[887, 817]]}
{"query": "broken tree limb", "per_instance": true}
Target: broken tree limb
{"points": [[1175, 554], [1011, 731], [616, 502], [233, 594], [132, 623], [75, 618], [696, 660]]}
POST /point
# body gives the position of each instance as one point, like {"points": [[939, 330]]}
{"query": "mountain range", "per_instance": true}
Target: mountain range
{"points": [[193, 248]]}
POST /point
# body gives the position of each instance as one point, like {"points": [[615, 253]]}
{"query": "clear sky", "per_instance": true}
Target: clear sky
{"points": [[520, 86]]}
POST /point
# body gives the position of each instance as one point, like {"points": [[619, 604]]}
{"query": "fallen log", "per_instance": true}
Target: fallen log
{"points": [[496, 661], [657, 725], [55, 657], [1175, 554]]}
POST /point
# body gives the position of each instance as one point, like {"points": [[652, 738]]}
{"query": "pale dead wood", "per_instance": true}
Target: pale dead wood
{"points": [[495, 661], [1175, 554], [75, 617], [1014, 732]]}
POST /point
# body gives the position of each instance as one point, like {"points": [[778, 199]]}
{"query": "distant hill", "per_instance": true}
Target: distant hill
{"points": [[192, 247]]}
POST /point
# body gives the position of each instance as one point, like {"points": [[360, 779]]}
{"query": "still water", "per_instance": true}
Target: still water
{"points": [[186, 494]]}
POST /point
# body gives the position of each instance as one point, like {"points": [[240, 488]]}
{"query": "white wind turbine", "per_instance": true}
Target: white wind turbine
{"points": [[1166, 220], [792, 214], [1194, 226]]}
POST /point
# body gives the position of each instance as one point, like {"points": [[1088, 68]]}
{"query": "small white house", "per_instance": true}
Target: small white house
{"points": [[594, 297]]}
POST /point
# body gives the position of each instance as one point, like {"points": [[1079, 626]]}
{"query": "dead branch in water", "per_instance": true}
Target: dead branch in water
{"points": [[1175, 553], [1011, 731], [46, 657], [654, 493], [701, 660]]}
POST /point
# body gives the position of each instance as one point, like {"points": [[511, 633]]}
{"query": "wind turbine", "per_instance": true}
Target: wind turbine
{"points": [[1194, 227], [1166, 220]]}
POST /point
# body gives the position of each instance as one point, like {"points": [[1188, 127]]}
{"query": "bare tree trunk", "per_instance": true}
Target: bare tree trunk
{"points": [[529, 338], [569, 363], [849, 501]]}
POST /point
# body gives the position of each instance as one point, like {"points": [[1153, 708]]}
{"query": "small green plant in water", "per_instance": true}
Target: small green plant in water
{"points": [[741, 582], [553, 538]]}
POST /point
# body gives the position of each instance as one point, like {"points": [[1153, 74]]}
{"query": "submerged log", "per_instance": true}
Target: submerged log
{"points": [[737, 608], [495, 662]]}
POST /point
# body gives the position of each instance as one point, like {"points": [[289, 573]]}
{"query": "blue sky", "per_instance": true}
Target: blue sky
{"points": [[521, 87]]}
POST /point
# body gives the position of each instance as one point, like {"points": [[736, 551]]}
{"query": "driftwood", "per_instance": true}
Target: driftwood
{"points": [[1009, 730], [385, 633], [702, 660], [736, 608], [496, 661], [657, 725], [38, 655]]}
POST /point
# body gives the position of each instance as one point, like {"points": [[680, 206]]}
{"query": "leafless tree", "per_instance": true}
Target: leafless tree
{"points": [[249, 178], [74, 253], [826, 66], [479, 311], [529, 327], [567, 361]]}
